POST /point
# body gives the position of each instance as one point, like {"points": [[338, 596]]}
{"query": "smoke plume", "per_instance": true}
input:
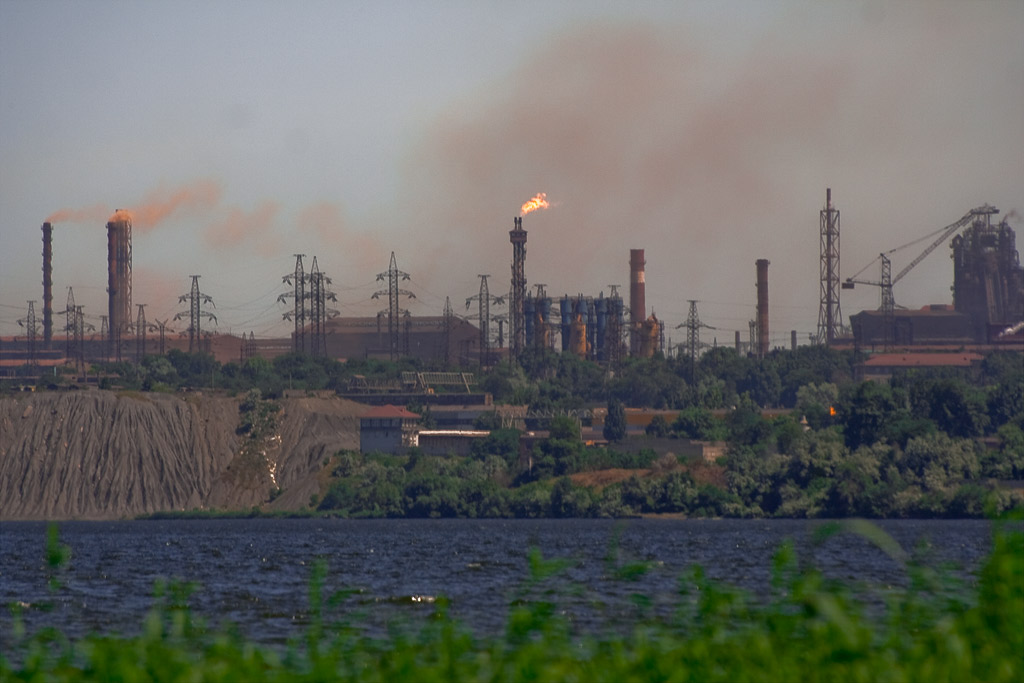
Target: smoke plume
{"points": [[251, 228], [327, 222], [620, 127], [157, 206]]}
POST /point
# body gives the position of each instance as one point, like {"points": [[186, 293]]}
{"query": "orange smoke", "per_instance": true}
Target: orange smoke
{"points": [[202, 195], [539, 201], [90, 214], [121, 216], [159, 204]]}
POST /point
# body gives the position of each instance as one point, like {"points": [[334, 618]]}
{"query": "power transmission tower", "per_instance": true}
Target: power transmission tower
{"points": [[693, 327], [80, 340], [319, 295], [297, 280], [393, 275], [195, 300], [140, 334], [162, 327], [484, 301], [31, 330], [69, 327]]}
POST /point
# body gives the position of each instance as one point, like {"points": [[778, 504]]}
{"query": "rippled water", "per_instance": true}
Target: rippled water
{"points": [[255, 573]]}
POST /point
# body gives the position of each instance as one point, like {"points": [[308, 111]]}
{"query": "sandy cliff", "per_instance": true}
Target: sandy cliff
{"points": [[101, 455]]}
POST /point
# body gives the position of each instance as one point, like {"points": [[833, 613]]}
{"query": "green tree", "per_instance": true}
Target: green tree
{"points": [[615, 421]]}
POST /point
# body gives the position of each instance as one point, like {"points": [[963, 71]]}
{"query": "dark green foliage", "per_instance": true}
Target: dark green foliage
{"points": [[658, 427], [695, 422], [615, 421]]}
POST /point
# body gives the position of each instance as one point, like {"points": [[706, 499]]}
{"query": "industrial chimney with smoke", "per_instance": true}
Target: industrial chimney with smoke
{"points": [[637, 299], [47, 285], [517, 236], [119, 279]]}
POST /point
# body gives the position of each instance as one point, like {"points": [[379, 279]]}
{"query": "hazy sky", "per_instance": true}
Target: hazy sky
{"points": [[242, 133]]}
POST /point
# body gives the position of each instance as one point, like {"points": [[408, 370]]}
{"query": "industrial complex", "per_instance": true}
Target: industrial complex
{"points": [[987, 310]]}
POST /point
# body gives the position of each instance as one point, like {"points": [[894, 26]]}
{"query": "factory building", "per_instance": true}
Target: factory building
{"points": [[988, 281]]}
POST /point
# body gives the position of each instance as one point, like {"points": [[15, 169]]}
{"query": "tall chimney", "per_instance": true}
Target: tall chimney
{"points": [[637, 299], [47, 285], [517, 335], [762, 308], [112, 290]]}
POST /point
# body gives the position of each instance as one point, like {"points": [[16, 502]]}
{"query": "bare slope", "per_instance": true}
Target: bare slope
{"points": [[100, 455]]}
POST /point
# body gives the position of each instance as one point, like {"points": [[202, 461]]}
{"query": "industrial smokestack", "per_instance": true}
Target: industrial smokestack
{"points": [[637, 299], [119, 279], [517, 336], [762, 308], [47, 285]]}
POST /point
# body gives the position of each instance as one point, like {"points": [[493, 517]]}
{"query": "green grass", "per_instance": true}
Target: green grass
{"points": [[811, 629]]}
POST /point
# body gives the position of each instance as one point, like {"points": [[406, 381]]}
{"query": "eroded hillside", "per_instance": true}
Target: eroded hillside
{"points": [[102, 455]]}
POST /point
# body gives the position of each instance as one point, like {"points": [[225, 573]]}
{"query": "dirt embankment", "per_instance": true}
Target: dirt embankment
{"points": [[101, 455]]}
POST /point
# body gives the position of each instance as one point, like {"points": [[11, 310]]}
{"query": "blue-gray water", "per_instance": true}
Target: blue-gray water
{"points": [[256, 573]]}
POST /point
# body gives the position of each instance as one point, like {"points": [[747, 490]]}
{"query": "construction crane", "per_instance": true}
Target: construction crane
{"points": [[886, 280]]}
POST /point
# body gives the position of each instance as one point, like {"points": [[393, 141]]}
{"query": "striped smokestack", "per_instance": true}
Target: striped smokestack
{"points": [[637, 298]]}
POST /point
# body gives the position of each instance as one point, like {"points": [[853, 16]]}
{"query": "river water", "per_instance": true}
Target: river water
{"points": [[255, 573]]}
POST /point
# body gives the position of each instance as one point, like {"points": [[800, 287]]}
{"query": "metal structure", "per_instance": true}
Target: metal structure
{"points": [[47, 285], [988, 281], [517, 321], [615, 347], [637, 300], [119, 280], [484, 300], [310, 294], [393, 275], [79, 335], [448, 321], [693, 326], [161, 326], [69, 325], [319, 295], [31, 330], [763, 333], [887, 300], [297, 279], [195, 300], [140, 333], [830, 317]]}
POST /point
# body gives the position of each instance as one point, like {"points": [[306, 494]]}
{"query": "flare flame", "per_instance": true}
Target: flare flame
{"points": [[539, 201]]}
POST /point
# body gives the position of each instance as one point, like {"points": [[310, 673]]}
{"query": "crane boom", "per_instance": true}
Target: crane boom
{"points": [[947, 232]]}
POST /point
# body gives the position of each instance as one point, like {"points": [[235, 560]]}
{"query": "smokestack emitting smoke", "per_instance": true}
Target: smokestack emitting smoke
{"points": [[762, 307], [154, 208], [47, 284], [637, 298], [517, 236], [119, 278]]}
